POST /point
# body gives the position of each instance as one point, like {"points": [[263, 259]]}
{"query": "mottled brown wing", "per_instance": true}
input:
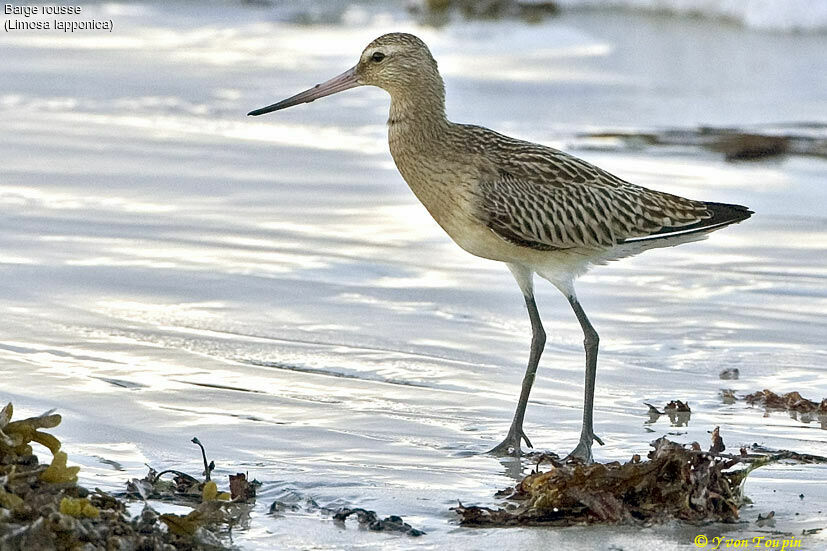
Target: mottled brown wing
{"points": [[599, 212]]}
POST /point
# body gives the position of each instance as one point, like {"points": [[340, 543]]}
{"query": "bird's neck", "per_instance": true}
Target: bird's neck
{"points": [[417, 118]]}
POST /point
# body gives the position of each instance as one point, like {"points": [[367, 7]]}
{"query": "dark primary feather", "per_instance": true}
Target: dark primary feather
{"points": [[723, 214]]}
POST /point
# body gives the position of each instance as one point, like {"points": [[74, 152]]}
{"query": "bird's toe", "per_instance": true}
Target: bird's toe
{"points": [[583, 452], [511, 444]]}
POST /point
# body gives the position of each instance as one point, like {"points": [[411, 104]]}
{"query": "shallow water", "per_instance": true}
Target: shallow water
{"points": [[170, 268]]}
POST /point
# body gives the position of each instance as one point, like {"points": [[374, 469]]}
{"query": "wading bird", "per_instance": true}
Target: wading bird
{"points": [[535, 208]]}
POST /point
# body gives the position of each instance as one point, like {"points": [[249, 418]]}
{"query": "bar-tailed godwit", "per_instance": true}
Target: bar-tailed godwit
{"points": [[535, 208]]}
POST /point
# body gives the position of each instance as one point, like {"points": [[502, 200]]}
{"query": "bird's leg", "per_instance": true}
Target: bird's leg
{"points": [[511, 444], [584, 447]]}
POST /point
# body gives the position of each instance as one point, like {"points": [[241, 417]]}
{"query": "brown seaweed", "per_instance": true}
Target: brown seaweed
{"points": [[791, 401], [528, 10], [676, 483], [371, 521], [678, 412], [735, 144]]}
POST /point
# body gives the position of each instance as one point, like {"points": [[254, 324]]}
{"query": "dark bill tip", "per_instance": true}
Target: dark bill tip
{"points": [[345, 81]]}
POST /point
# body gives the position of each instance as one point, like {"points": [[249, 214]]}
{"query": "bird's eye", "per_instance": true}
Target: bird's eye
{"points": [[377, 56]]}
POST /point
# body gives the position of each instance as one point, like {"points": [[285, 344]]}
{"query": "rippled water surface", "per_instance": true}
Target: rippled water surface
{"points": [[170, 268]]}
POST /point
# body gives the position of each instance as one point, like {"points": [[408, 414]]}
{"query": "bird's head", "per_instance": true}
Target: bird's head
{"points": [[395, 62]]}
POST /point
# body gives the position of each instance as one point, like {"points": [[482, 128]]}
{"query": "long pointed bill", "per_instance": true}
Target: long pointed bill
{"points": [[345, 81]]}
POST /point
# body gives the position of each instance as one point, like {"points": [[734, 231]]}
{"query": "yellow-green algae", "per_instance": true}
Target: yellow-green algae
{"points": [[42, 507]]}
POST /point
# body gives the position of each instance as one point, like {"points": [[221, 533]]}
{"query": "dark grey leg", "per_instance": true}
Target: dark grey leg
{"points": [[511, 444], [591, 342]]}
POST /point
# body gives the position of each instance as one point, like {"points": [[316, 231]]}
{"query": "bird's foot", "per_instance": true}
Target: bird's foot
{"points": [[511, 444], [583, 451]]}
